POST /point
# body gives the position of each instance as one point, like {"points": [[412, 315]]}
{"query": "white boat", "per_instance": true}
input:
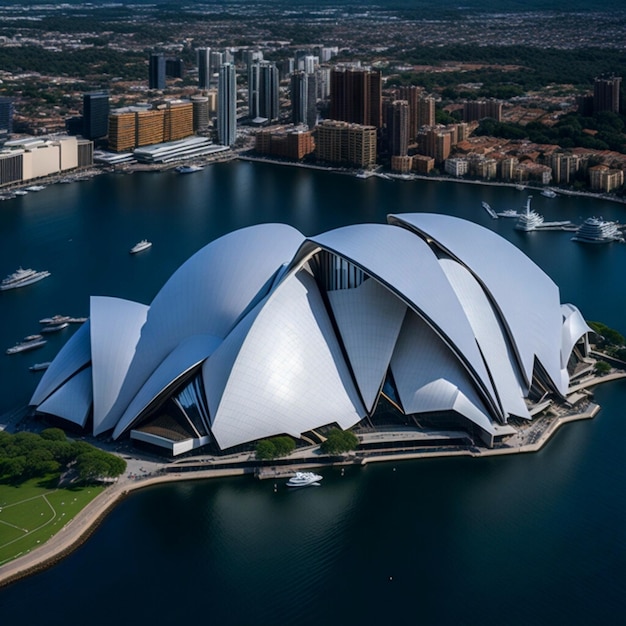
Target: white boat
{"points": [[22, 277], [489, 210], [37, 367], [144, 244], [20, 192], [53, 328], [548, 193], [188, 169], [364, 174], [597, 230], [304, 479], [55, 319], [35, 188], [520, 187], [509, 213], [30, 343], [529, 220]]}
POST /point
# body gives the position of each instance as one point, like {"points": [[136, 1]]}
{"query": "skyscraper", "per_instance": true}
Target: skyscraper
{"points": [[156, 71], [6, 118], [95, 115], [398, 128], [204, 67], [299, 97], [606, 94], [227, 105], [263, 90], [356, 96]]}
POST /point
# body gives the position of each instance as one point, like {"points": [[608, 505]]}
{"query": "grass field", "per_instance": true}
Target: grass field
{"points": [[34, 511]]}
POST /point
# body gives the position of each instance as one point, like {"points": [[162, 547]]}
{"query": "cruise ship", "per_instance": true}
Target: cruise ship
{"points": [[597, 230], [144, 244], [21, 278], [529, 220]]}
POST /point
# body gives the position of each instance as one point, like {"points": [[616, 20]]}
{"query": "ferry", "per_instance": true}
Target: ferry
{"points": [[144, 244], [22, 277], [304, 479]]}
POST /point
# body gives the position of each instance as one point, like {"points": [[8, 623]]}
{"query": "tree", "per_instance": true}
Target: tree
{"points": [[268, 449], [339, 441], [602, 367]]}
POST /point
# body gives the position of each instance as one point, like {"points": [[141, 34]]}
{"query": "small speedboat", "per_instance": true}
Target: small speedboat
{"points": [[304, 479], [144, 244]]}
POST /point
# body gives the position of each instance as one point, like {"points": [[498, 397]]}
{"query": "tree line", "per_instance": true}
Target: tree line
{"points": [[26, 455]]}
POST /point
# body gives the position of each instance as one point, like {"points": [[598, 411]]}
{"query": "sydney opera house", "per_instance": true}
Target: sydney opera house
{"points": [[264, 331]]}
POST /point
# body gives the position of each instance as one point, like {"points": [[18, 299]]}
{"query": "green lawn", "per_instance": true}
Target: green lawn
{"points": [[34, 511]]}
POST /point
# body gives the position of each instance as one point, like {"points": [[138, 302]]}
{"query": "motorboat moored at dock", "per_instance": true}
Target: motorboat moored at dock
{"points": [[304, 479]]}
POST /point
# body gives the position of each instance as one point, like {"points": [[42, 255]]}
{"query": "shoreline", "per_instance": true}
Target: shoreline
{"points": [[79, 529]]}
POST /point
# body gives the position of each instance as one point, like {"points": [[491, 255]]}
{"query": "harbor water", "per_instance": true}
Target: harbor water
{"points": [[524, 539]]}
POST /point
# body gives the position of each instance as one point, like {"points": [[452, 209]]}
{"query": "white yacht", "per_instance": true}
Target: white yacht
{"points": [[509, 213], [489, 210], [22, 277], [144, 244], [38, 367], [304, 479], [529, 220], [53, 328], [30, 343], [35, 188], [188, 169], [548, 193], [597, 230]]}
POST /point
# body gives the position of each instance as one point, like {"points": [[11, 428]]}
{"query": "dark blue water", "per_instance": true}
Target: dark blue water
{"points": [[531, 539]]}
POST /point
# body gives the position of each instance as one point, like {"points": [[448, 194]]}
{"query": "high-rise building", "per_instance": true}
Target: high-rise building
{"points": [[174, 68], [204, 67], [356, 96], [398, 128], [299, 97], [95, 115], [217, 58], [227, 105], [263, 91], [156, 71], [606, 93], [6, 118], [201, 112]]}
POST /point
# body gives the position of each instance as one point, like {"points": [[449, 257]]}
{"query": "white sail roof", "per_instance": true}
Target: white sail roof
{"points": [[190, 353], [526, 298], [407, 266], [207, 295], [288, 375], [72, 401], [73, 356], [429, 377], [369, 318], [115, 329], [492, 341], [574, 327]]}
